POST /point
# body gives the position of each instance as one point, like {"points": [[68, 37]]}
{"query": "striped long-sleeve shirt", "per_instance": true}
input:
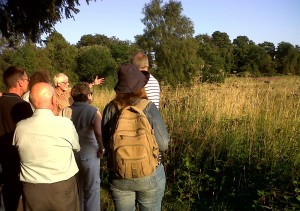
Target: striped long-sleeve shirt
{"points": [[153, 90]]}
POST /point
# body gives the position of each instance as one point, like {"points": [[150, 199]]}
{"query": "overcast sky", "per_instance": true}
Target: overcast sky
{"points": [[260, 20]]}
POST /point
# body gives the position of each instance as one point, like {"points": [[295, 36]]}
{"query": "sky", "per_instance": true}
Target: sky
{"points": [[260, 20]]}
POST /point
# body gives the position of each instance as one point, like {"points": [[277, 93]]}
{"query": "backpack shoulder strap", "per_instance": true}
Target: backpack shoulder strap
{"points": [[142, 104]]}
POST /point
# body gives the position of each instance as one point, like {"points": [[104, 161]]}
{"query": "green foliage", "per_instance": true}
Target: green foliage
{"points": [[168, 35], [7, 58], [209, 52], [180, 67], [216, 51], [224, 48], [89, 40], [62, 55], [175, 56], [120, 50], [287, 58], [28, 56], [269, 48], [213, 74], [31, 58], [30, 19], [95, 61]]}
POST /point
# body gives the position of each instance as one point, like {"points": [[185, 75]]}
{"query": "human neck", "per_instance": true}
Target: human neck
{"points": [[59, 90], [16, 91]]}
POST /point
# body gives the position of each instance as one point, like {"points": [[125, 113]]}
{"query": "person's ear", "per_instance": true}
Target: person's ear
{"points": [[90, 96], [20, 83]]}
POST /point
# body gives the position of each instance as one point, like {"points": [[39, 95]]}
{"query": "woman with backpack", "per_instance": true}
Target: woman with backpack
{"points": [[133, 134]]}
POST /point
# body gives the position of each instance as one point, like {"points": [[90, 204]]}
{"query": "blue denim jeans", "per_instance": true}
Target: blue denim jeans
{"points": [[146, 191], [89, 183]]}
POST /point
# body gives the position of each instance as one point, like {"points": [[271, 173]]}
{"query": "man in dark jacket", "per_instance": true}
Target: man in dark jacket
{"points": [[12, 110]]}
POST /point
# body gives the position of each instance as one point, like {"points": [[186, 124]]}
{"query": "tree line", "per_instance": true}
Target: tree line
{"points": [[176, 55]]}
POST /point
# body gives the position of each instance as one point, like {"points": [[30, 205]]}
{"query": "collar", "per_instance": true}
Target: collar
{"points": [[59, 92], [80, 103], [41, 111], [10, 95]]}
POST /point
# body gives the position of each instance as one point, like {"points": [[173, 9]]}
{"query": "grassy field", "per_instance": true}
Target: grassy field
{"points": [[235, 146]]}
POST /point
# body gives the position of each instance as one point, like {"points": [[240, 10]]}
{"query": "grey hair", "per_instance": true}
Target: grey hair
{"points": [[58, 78]]}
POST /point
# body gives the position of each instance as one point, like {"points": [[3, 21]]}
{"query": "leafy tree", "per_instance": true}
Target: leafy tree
{"points": [[297, 47], [287, 58], [223, 43], [214, 63], [31, 58], [6, 60], [241, 48], [62, 55], [26, 55], [168, 37], [6, 54], [269, 48], [120, 50], [206, 50], [253, 59], [89, 40], [259, 60], [163, 22], [29, 19], [95, 61], [184, 66]]}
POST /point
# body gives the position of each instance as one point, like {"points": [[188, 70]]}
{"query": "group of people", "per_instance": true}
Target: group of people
{"points": [[52, 140]]}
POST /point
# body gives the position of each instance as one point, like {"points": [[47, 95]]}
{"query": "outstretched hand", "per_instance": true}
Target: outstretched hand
{"points": [[99, 81]]}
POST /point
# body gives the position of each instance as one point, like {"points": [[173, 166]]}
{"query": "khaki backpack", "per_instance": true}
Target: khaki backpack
{"points": [[135, 150]]}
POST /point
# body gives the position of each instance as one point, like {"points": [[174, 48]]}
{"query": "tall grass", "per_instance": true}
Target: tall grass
{"points": [[234, 145]]}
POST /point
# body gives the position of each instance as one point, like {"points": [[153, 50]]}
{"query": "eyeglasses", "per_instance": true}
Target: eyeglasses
{"points": [[64, 82], [26, 79]]}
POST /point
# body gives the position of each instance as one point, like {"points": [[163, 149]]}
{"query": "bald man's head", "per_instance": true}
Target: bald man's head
{"points": [[42, 96]]}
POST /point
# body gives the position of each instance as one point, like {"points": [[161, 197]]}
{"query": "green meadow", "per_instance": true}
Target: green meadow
{"points": [[235, 145]]}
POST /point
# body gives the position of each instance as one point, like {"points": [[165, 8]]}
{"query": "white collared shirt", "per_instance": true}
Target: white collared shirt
{"points": [[45, 143]]}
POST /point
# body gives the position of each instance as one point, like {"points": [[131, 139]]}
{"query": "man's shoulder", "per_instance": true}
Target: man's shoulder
{"points": [[45, 115], [152, 84], [62, 119], [10, 97], [64, 122], [153, 80], [152, 77]]}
